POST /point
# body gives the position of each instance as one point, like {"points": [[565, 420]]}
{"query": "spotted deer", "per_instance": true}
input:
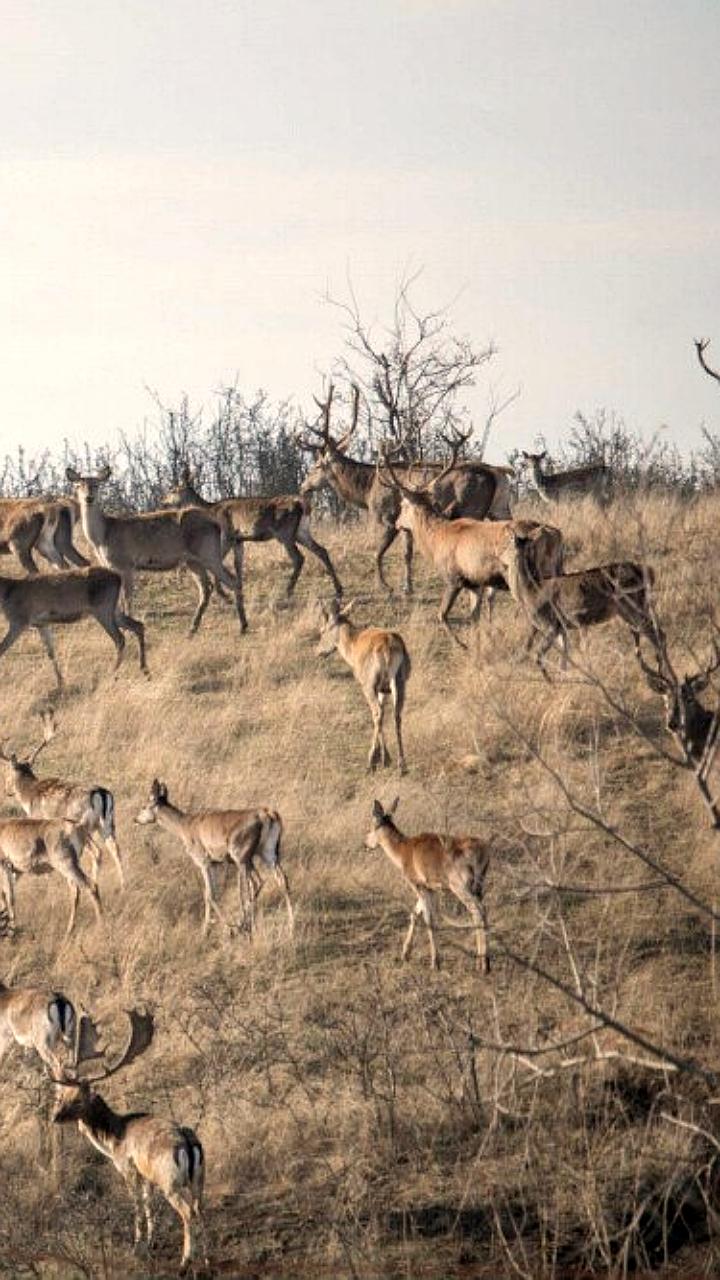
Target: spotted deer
{"points": [[40, 1019], [36, 846]]}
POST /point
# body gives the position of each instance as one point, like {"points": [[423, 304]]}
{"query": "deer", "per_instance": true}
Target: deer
{"points": [[92, 807], [381, 665], [693, 725], [468, 489], [594, 480], [578, 600], [468, 553], [429, 862], [212, 836], [36, 846], [147, 1151], [67, 597], [40, 1019], [40, 525], [254, 519], [155, 541]]}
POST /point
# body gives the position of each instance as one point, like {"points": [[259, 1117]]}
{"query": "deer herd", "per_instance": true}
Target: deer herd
{"points": [[456, 514]]}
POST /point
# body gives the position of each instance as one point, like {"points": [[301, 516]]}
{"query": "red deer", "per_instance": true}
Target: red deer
{"points": [[594, 480]]}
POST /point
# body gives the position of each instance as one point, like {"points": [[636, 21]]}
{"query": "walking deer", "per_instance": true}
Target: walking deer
{"points": [[41, 525], [212, 836], [147, 1151], [36, 846], [594, 480], [381, 665], [155, 541], [429, 862], [40, 1019], [468, 489], [578, 600], [92, 807], [66, 597]]}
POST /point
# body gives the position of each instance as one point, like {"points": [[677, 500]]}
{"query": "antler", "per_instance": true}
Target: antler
{"points": [[49, 730], [455, 444], [142, 1028], [701, 345], [323, 431], [698, 682]]}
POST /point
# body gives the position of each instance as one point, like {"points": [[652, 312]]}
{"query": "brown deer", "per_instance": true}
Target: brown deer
{"points": [[74, 594], [40, 1019], [381, 665], [36, 846], [468, 489], [148, 1152], [429, 862], [211, 836], [92, 807], [578, 600], [40, 525], [155, 541], [285, 518], [693, 725], [594, 480]]}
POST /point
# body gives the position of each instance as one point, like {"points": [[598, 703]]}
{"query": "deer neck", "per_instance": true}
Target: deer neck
{"points": [[347, 635], [520, 584], [25, 787], [393, 844], [350, 479], [94, 522], [172, 819], [102, 1126], [539, 478]]}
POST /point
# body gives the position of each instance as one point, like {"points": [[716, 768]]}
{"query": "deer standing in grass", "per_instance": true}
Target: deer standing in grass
{"points": [[468, 488], [212, 836], [693, 725], [40, 1019], [41, 525], [594, 480], [147, 1151], [155, 541], [429, 862], [381, 665], [92, 807], [36, 846], [578, 600], [41, 602]]}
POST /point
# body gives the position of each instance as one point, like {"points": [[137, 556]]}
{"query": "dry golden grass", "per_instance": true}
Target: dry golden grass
{"points": [[352, 1126]]}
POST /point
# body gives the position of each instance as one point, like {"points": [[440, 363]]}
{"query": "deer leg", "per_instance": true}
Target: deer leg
{"points": [[388, 537], [8, 892], [202, 582], [408, 556], [109, 624], [14, 630], [385, 758], [410, 935], [128, 588], [184, 1212], [238, 559], [96, 856], [46, 636], [297, 559], [23, 551], [282, 880], [476, 611], [146, 1192], [474, 906], [450, 595], [209, 892], [305, 538], [398, 697], [131, 624], [113, 849], [427, 914], [375, 744]]}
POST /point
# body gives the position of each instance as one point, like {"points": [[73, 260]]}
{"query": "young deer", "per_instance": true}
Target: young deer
{"points": [[430, 862], [381, 665], [36, 846], [40, 1019], [92, 807], [67, 597], [146, 1150], [213, 836], [579, 600]]}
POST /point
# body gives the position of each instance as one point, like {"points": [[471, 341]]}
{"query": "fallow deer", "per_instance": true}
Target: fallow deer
{"points": [[66, 597], [40, 1019], [578, 600], [469, 489], [155, 541], [594, 480], [429, 862], [212, 836], [92, 807], [381, 665], [147, 1151], [253, 519], [36, 846]]}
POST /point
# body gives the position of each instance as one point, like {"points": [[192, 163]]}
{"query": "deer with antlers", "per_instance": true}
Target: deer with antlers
{"points": [[693, 725], [380, 663], [40, 1019], [36, 846], [430, 862], [468, 488], [91, 807], [147, 1151], [67, 597], [578, 600], [155, 541], [594, 480], [243, 837]]}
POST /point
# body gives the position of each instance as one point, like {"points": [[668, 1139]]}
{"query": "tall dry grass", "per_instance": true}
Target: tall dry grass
{"points": [[360, 1117]]}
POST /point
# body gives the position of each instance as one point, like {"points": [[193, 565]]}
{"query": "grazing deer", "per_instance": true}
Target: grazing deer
{"points": [[36, 846], [429, 862], [286, 519], [381, 665], [70, 596], [468, 489], [578, 600], [213, 836], [594, 480], [147, 1151], [40, 1019], [92, 807], [155, 541]]}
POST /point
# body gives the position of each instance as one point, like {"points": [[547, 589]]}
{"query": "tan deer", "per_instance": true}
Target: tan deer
{"points": [[594, 480], [429, 862], [147, 1151], [40, 525], [40, 1019], [381, 665], [212, 836], [36, 846], [67, 597], [92, 807], [467, 489], [578, 600], [155, 541]]}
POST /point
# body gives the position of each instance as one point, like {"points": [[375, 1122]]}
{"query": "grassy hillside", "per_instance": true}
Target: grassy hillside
{"points": [[363, 1118]]}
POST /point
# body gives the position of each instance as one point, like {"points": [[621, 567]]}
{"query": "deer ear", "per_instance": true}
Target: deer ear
{"points": [[378, 811], [393, 806], [525, 455], [72, 475], [543, 455]]}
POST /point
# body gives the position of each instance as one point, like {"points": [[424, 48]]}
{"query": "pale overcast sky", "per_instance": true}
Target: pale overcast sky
{"points": [[183, 180]]}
